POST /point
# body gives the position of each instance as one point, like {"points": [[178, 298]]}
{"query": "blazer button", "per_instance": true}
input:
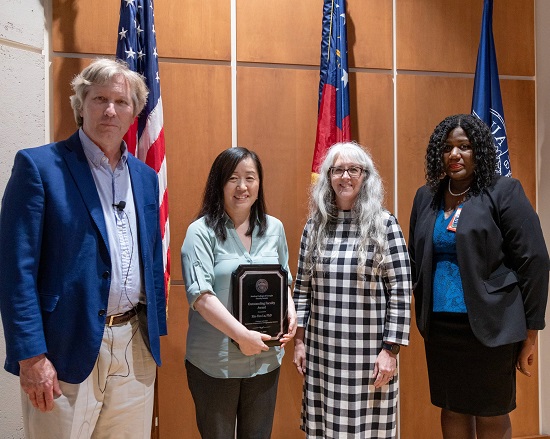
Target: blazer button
{"points": [[101, 313], [106, 275]]}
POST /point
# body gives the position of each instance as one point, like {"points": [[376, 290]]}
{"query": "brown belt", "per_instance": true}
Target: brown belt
{"points": [[119, 319]]}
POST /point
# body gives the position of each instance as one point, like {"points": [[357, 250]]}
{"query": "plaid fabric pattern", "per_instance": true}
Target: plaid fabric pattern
{"points": [[347, 311]]}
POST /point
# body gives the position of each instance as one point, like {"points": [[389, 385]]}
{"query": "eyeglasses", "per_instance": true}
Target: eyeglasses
{"points": [[353, 171]]}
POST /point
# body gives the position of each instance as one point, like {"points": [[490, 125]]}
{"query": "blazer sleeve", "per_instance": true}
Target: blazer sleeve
{"points": [[158, 271], [21, 224], [411, 246], [525, 250]]}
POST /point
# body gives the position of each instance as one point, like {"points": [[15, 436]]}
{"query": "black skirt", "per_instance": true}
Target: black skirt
{"points": [[465, 375]]}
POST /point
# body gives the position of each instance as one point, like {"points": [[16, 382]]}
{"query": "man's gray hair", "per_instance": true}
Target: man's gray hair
{"points": [[101, 71]]}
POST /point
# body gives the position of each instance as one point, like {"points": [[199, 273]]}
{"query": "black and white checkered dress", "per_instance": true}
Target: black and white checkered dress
{"points": [[347, 311]]}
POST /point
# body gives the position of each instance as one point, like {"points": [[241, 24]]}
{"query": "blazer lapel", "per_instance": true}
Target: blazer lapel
{"points": [[137, 190], [80, 170]]}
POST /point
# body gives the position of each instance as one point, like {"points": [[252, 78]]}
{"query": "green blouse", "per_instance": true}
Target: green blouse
{"points": [[207, 267]]}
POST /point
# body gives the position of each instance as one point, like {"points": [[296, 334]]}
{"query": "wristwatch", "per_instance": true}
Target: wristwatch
{"points": [[392, 347]]}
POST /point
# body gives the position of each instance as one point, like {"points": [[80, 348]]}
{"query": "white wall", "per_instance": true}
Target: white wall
{"points": [[542, 14], [22, 124]]}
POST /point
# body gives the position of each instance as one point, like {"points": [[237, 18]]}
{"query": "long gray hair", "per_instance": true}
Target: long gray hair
{"points": [[367, 210]]}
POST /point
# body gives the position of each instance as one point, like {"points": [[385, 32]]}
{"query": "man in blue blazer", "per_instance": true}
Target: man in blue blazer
{"points": [[81, 270]]}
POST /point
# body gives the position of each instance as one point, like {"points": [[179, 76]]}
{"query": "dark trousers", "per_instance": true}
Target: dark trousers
{"points": [[219, 402]]}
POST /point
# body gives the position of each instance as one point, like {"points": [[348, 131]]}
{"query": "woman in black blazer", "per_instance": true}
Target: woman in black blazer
{"points": [[480, 280]]}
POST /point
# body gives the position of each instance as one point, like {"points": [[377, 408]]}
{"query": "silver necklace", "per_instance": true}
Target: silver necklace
{"points": [[456, 195]]}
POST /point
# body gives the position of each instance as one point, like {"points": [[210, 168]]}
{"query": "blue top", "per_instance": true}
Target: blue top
{"points": [[448, 295], [207, 267]]}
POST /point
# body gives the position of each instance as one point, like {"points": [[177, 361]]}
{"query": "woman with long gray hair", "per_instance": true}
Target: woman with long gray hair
{"points": [[352, 297]]}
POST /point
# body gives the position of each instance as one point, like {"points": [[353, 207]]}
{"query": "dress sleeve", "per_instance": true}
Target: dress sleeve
{"points": [[302, 287], [397, 281], [197, 261], [282, 251]]}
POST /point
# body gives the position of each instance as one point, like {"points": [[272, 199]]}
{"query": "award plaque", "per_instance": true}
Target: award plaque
{"points": [[260, 299]]}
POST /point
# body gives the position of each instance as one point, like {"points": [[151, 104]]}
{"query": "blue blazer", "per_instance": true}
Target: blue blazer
{"points": [[54, 259], [502, 258]]}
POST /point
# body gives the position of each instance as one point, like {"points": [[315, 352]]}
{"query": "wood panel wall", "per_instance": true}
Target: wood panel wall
{"points": [[394, 109]]}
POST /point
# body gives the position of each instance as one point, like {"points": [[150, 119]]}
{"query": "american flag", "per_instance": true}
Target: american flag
{"points": [[137, 46], [333, 120]]}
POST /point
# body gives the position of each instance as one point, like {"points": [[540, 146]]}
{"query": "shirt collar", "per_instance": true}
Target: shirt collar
{"points": [[95, 155], [228, 220]]}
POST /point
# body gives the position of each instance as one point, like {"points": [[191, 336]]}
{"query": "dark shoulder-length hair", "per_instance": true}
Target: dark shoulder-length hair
{"points": [[212, 202], [483, 147]]}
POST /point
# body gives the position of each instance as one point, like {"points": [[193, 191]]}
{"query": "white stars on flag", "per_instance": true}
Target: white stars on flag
{"points": [[130, 53]]}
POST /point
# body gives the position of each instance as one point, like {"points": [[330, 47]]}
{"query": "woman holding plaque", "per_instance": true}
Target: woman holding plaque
{"points": [[229, 384], [352, 297], [480, 272]]}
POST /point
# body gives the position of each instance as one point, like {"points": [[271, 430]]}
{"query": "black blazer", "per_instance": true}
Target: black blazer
{"points": [[502, 258]]}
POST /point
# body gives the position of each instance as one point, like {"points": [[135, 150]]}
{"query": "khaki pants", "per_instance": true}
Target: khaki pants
{"points": [[115, 401]]}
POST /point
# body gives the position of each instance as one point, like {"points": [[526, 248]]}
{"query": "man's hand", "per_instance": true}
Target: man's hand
{"points": [[39, 381]]}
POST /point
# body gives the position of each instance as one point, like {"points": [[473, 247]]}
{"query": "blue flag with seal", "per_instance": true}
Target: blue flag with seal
{"points": [[487, 101]]}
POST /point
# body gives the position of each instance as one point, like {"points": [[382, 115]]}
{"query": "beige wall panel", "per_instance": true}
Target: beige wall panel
{"points": [[194, 29], [518, 99], [277, 118], [444, 36], [418, 417], [282, 31], [289, 32], [63, 71], [525, 419], [197, 124], [370, 33], [277, 111], [286, 424], [422, 102], [85, 27], [184, 28], [371, 102], [418, 113], [175, 404]]}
